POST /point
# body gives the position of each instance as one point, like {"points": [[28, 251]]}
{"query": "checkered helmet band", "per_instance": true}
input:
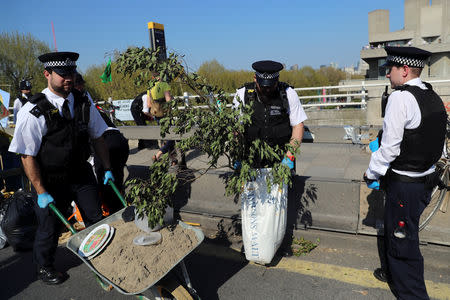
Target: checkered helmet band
{"points": [[60, 63], [267, 75], [406, 61]]}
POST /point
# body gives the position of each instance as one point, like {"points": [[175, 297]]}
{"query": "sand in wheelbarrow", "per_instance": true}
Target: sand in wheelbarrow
{"points": [[134, 268]]}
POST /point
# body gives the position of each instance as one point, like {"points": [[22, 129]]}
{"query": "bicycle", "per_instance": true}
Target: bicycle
{"points": [[439, 199], [110, 111]]}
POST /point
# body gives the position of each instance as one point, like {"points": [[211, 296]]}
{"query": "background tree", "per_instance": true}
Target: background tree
{"points": [[19, 59], [216, 131]]}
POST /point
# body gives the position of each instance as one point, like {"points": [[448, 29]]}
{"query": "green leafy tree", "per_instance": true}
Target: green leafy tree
{"points": [[19, 59], [215, 130]]}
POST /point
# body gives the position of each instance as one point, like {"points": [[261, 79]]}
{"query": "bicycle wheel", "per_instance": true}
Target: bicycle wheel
{"points": [[437, 196]]}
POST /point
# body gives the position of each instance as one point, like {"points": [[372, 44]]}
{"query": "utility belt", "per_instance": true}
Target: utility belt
{"points": [[429, 180]]}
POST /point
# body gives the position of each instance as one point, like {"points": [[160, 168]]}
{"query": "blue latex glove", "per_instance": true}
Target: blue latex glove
{"points": [[108, 176], [44, 199], [286, 161], [374, 185], [237, 165], [374, 145]]}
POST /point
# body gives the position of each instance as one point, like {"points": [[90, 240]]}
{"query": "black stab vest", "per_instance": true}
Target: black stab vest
{"points": [[422, 147], [24, 100], [136, 104], [269, 121], [65, 147]]}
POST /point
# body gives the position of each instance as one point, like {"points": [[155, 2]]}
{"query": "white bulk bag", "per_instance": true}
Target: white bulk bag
{"points": [[263, 218]]}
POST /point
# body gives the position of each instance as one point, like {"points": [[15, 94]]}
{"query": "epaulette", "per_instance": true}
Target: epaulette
{"points": [[42, 106], [36, 111], [37, 97]]}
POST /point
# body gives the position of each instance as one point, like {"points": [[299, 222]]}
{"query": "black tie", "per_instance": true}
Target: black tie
{"points": [[66, 110]]}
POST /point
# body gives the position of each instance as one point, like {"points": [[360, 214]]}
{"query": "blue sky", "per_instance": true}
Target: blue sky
{"points": [[235, 33]]}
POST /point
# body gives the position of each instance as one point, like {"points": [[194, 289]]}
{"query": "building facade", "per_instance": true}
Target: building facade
{"points": [[427, 26]]}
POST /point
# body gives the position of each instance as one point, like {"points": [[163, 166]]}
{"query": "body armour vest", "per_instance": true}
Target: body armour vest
{"points": [[24, 100], [65, 147], [421, 147], [269, 121], [137, 102]]}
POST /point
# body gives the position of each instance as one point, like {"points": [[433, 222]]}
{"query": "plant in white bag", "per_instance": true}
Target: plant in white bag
{"points": [[214, 129]]}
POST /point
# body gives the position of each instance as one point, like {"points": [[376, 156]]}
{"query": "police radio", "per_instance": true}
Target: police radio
{"points": [[384, 100]]}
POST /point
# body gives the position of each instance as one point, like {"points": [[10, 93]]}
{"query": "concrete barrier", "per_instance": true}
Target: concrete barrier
{"points": [[327, 194]]}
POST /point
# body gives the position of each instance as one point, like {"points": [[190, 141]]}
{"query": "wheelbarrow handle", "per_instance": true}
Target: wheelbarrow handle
{"points": [[111, 183], [61, 217]]}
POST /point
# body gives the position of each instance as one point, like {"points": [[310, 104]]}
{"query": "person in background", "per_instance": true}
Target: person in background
{"points": [[157, 100], [412, 140], [53, 134], [118, 149], [25, 89], [140, 111]]}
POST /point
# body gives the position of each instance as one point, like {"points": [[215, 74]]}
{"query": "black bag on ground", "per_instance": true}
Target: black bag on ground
{"points": [[19, 222], [3, 206]]}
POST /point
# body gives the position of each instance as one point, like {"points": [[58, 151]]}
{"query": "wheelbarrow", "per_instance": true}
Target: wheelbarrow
{"points": [[167, 286]]}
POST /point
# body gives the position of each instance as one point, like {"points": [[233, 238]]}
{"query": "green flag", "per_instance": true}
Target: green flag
{"points": [[106, 76]]}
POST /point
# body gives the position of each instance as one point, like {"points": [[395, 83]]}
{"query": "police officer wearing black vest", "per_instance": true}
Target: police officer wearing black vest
{"points": [[277, 119], [52, 135], [25, 90], [412, 141]]}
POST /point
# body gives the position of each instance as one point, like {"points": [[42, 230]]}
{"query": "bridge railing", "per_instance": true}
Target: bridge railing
{"points": [[322, 99]]}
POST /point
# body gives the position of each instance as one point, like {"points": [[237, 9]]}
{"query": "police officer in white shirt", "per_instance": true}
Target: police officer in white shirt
{"points": [[412, 140], [52, 135], [25, 89], [285, 115], [277, 119]]}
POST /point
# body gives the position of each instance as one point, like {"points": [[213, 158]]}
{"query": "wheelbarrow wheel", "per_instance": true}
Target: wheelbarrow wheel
{"points": [[171, 288]]}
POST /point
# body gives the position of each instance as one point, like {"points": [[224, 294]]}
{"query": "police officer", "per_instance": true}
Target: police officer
{"points": [[52, 135], [277, 117], [25, 89], [413, 137]]}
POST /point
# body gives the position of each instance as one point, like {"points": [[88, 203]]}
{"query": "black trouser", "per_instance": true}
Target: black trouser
{"points": [[168, 145], [140, 119], [119, 150], [83, 190], [405, 201]]}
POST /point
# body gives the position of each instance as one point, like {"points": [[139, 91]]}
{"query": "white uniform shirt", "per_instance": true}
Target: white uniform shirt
{"points": [[17, 106], [296, 113], [30, 130], [145, 107], [402, 111]]}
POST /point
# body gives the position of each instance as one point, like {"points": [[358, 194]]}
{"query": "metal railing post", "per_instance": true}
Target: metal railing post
{"points": [[363, 92]]}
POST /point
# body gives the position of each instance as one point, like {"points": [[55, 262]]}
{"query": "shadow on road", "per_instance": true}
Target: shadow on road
{"points": [[17, 270], [209, 272]]}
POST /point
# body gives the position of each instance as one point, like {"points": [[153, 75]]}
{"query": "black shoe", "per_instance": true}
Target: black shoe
{"points": [[49, 275], [380, 275]]}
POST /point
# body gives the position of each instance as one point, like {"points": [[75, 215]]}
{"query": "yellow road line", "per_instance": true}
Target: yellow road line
{"points": [[354, 276], [363, 278]]}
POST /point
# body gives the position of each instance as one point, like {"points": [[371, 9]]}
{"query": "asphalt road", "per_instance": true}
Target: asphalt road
{"points": [[339, 268]]}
